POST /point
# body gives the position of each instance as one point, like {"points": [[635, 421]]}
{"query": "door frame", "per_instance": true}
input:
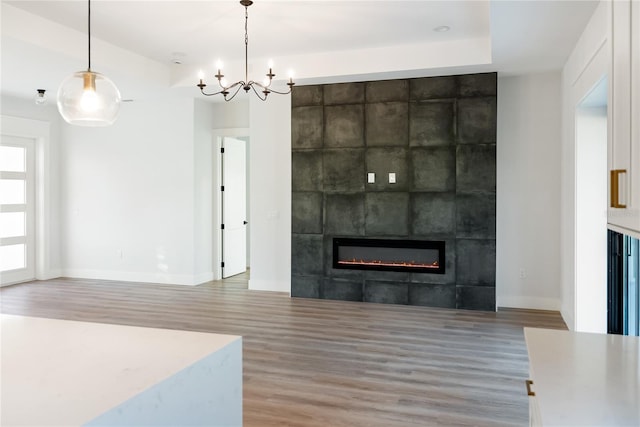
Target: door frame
{"points": [[39, 131], [216, 139]]}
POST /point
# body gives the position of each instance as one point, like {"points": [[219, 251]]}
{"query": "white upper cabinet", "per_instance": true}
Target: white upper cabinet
{"points": [[624, 117]]}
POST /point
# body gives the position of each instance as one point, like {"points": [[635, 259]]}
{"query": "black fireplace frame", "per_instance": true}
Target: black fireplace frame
{"points": [[391, 243]]}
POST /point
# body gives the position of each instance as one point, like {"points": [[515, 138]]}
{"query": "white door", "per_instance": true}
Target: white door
{"points": [[17, 210], [234, 207]]}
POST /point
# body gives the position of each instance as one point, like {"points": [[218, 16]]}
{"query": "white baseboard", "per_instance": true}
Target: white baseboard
{"points": [[199, 279], [569, 319], [49, 274], [530, 303], [125, 276], [270, 285]]}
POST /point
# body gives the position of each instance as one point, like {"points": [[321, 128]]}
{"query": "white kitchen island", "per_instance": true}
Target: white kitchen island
{"points": [[67, 373], [583, 379]]}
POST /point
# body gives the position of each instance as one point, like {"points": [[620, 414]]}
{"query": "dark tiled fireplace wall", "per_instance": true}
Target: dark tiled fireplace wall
{"points": [[438, 135]]}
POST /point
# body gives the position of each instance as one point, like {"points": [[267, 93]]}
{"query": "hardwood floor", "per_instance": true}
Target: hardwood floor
{"points": [[327, 363]]}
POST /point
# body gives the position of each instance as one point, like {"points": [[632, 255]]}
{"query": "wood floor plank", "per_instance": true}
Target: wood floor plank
{"points": [[317, 363]]}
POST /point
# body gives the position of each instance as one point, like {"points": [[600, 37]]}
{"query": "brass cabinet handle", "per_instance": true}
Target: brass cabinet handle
{"points": [[615, 188], [529, 392]]}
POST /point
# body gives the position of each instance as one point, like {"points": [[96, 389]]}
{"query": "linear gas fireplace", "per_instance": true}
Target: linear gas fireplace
{"points": [[418, 256]]}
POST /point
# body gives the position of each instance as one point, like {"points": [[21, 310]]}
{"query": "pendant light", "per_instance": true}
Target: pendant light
{"points": [[87, 98]]}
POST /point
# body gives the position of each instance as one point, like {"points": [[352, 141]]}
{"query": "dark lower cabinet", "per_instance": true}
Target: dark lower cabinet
{"points": [[623, 288]]}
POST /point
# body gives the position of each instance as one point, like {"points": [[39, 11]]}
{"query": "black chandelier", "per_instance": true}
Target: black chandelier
{"points": [[246, 84]]}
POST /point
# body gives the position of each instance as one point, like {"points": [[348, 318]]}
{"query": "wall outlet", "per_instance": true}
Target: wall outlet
{"points": [[371, 178], [119, 252], [523, 273], [392, 178]]}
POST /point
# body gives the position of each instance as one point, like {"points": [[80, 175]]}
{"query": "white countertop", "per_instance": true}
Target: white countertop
{"points": [[58, 372], [585, 379]]}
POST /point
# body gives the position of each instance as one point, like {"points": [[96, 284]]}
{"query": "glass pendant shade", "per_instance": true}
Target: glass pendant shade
{"points": [[86, 98]]}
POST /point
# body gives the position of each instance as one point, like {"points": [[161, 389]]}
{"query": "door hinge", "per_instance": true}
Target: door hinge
{"points": [[222, 150], [222, 226], [222, 188], [222, 264]]}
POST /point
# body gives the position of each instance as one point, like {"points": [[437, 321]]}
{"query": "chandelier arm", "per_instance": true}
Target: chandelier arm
{"points": [[282, 93], [241, 83], [258, 93], [224, 89], [268, 87], [234, 93], [209, 94]]}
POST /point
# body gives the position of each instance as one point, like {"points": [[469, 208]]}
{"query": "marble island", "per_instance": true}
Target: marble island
{"points": [[583, 379], [59, 372]]}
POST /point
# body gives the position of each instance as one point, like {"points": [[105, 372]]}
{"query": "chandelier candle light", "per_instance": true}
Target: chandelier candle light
{"points": [[87, 98], [246, 84]]}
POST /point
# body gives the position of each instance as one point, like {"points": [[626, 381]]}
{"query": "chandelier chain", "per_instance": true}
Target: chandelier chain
{"points": [[246, 44], [246, 25]]}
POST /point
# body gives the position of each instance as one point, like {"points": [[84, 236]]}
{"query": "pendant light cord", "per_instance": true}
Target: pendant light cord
{"points": [[89, 34], [246, 45]]}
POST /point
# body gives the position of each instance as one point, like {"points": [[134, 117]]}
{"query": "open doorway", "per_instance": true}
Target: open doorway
{"points": [[591, 212], [232, 195], [234, 206]]}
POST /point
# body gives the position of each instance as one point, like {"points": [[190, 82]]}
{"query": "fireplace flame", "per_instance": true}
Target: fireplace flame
{"points": [[408, 264]]}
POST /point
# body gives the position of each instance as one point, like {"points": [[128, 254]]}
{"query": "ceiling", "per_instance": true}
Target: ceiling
{"points": [[147, 45]]}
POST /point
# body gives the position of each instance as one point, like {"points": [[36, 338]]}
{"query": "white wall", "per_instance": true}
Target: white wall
{"points": [[586, 66], [128, 195], [270, 210], [528, 192], [231, 115], [203, 178]]}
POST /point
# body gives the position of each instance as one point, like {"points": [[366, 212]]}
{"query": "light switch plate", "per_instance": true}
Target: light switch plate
{"points": [[392, 178], [371, 178]]}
